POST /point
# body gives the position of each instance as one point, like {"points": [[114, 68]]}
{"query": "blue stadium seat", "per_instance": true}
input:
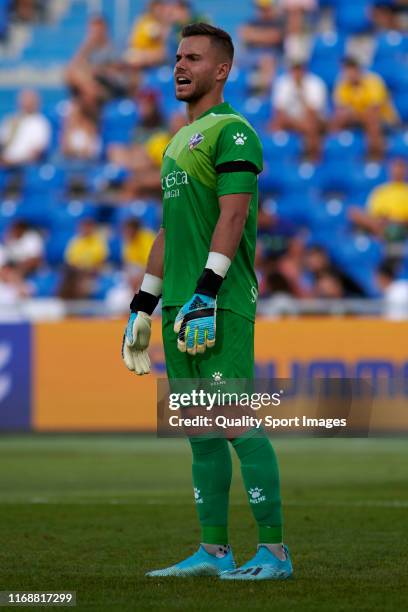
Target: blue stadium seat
{"points": [[37, 209], [359, 256], [281, 145], [119, 119], [63, 42], [104, 175], [146, 211], [345, 144], [55, 246], [43, 178], [351, 179], [273, 178], [401, 104], [365, 178], [394, 71], [8, 213], [398, 145], [257, 110], [115, 249], [329, 216], [353, 16], [327, 52], [103, 283], [390, 45], [45, 282], [66, 216], [160, 79], [295, 207]]}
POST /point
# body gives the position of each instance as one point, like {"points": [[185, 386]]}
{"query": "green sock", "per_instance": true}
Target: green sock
{"points": [[260, 473], [212, 473]]}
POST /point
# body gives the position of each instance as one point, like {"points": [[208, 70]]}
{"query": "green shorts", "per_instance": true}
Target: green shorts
{"points": [[232, 356]]}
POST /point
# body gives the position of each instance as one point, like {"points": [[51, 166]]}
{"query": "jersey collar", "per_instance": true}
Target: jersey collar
{"points": [[219, 109]]}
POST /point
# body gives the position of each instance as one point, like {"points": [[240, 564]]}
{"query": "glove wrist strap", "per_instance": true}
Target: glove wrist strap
{"points": [[145, 302], [209, 283]]}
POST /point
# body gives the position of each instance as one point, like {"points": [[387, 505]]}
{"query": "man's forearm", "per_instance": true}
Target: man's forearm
{"points": [[156, 256], [230, 226]]}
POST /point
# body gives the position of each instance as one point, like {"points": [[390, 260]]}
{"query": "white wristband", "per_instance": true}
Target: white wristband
{"points": [[152, 284], [218, 263]]}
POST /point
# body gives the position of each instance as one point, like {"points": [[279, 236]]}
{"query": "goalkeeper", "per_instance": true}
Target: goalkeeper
{"points": [[202, 265]]}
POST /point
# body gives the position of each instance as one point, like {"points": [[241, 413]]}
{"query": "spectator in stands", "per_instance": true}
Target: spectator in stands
{"points": [[95, 73], [87, 250], [147, 43], [13, 287], [385, 16], [146, 163], [181, 14], [118, 298], [137, 242], [77, 283], [323, 277], [386, 214], [151, 124], [329, 286], [298, 31], [299, 100], [362, 101], [80, 138], [394, 291], [29, 11], [23, 247], [266, 29], [262, 76], [24, 135]]}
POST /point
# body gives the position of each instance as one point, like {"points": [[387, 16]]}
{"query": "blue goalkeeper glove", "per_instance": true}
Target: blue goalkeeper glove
{"points": [[195, 324], [195, 321]]}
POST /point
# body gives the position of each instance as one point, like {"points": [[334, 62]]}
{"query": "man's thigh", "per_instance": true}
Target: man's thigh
{"points": [[231, 357]]}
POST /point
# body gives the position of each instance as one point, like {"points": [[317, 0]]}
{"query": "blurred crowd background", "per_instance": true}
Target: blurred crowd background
{"points": [[87, 107]]}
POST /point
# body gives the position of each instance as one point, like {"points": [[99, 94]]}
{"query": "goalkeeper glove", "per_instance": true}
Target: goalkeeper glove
{"points": [[135, 342], [196, 321], [137, 333]]}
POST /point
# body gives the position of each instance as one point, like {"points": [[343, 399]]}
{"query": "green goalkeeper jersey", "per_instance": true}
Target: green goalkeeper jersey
{"points": [[218, 154]]}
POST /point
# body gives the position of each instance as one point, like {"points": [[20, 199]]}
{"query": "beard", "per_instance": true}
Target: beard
{"points": [[197, 92]]}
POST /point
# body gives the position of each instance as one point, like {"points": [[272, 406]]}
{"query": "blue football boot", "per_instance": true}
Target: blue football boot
{"points": [[199, 564], [264, 566]]}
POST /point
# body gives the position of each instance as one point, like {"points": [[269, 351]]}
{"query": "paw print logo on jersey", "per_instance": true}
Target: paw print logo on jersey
{"points": [[197, 496], [256, 495], [240, 138], [217, 378]]}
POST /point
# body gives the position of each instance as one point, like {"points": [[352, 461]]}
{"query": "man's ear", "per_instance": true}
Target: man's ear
{"points": [[223, 71]]}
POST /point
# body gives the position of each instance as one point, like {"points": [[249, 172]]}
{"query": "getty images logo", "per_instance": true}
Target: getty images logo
{"points": [[5, 379]]}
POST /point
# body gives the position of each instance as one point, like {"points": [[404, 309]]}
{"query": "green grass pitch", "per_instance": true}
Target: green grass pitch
{"points": [[93, 513]]}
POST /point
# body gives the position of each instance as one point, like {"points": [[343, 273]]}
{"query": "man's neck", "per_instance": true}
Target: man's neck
{"points": [[198, 107]]}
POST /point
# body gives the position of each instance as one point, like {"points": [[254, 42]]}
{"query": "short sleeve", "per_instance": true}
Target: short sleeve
{"points": [[376, 203], [238, 142]]}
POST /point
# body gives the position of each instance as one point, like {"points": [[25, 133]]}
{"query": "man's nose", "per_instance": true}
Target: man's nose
{"points": [[180, 64]]}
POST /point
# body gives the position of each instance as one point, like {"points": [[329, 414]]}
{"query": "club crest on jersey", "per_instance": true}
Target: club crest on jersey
{"points": [[195, 140]]}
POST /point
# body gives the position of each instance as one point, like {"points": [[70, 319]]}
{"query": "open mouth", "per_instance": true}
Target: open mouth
{"points": [[182, 80]]}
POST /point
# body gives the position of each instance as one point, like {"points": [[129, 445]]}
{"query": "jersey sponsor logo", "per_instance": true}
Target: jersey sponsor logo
{"points": [[174, 179], [195, 140], [240, 138], [171, 183]]}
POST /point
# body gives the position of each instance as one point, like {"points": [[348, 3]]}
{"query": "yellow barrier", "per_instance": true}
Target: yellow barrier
{"points": [[81, 384]]}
